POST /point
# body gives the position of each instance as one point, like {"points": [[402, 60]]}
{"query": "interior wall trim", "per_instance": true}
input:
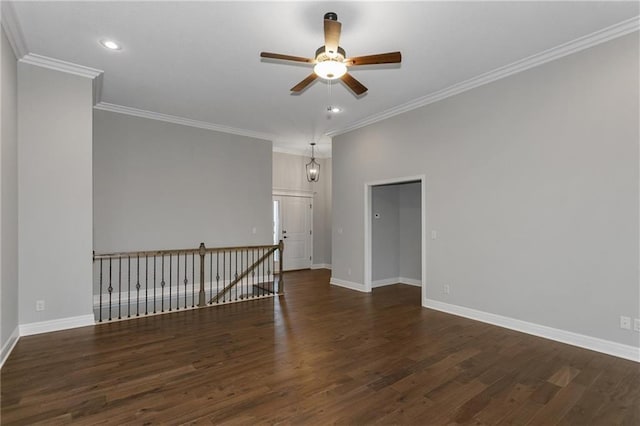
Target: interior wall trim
{"points": [[8, 346], [580, 340], [59, 65], [606, 34], [396, 280], [348, 284], [104, 106], [56, 325], [292, 192], [321, 266], [12, 30], [410, 281], [302, 152]]}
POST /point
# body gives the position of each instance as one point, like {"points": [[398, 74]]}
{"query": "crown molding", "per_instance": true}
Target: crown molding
{"points": [[291, 151], [12, 30], [301, 152], [609, 33], [104, 106], [97, 88], [59, 65]]}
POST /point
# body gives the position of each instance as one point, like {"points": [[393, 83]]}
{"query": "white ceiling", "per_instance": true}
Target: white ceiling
{"points": [[200, 60]]}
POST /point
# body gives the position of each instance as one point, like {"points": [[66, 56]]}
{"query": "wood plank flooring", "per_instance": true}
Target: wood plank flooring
{"points": [[318, 355]]}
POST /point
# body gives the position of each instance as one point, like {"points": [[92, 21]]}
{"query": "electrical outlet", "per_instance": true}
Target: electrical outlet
{"points": [[625, 322], [446, 289], [39, 305], [349, 271], [636, 324]]}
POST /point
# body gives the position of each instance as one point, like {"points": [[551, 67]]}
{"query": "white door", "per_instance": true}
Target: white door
{"points": [[295, 217]]}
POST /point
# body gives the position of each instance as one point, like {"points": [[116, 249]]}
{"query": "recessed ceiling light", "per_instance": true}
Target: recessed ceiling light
{"points": [[334, 109], [110, 44]]}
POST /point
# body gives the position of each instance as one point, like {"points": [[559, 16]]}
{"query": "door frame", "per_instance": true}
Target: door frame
{"points": [[368, 240]]}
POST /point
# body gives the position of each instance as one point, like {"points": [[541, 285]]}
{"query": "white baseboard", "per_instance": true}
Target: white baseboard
{"points": [[9, 345], [348, 284], [321, 266], [56, 325], [397, 280], [385, 282], [410, 281], [587, 342]]}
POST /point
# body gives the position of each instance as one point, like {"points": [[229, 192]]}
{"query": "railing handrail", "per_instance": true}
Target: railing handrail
{"points": [[148, 253]]}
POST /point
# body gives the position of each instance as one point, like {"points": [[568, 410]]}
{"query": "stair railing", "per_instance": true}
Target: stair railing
{"points": [[134, 284]]}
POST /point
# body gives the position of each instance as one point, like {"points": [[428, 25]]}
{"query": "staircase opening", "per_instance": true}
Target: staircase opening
{"points": [[134, 284]]}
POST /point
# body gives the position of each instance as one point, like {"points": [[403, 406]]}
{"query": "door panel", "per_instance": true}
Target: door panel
{"points": [[296, 222]]}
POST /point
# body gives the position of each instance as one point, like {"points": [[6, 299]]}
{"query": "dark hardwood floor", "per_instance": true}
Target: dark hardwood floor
{"points": [[318, 355]]}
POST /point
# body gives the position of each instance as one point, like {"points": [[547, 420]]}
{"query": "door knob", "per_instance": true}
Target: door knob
{"points": [[284, 236]]}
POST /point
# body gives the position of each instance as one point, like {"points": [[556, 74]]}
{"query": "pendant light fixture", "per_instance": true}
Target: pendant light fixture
{"points": [[313, 168]]}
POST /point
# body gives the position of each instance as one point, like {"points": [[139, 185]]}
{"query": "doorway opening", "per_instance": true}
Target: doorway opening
{"points": [[395, 233]]}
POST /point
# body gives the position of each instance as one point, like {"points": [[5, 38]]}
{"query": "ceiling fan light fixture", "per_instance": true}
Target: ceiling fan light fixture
{"points": [[330, 70]]}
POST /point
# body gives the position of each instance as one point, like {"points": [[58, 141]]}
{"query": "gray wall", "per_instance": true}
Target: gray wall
{"points": [[410, 231], [54, 183], [532, 185], [9, 199], [396, 234], [385, 232], [160, 185], [289, 173]]}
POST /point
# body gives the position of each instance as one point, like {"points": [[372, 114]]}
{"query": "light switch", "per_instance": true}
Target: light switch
{"points": [[434, 235]]}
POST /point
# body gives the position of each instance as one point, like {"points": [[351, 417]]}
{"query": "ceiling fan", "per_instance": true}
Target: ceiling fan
{"points": [[330, 60]]}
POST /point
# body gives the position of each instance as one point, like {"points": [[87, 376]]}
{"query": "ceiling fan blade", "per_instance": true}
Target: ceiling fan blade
{"points": [[286, 57], [304, 83], [353, 84], [380, 58], [331, 36]]}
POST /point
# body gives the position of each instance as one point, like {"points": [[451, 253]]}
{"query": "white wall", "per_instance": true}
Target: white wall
{"points": [[9, 198], [55, 202], [532, 185], [160, 185], [289, 173]]}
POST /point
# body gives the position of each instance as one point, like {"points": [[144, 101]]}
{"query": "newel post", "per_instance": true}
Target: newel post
{"points": [[281, 268], [201, 296]]}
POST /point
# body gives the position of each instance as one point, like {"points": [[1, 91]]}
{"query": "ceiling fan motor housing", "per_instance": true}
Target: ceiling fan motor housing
{"points": [[321, 55], [332, 16]]}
